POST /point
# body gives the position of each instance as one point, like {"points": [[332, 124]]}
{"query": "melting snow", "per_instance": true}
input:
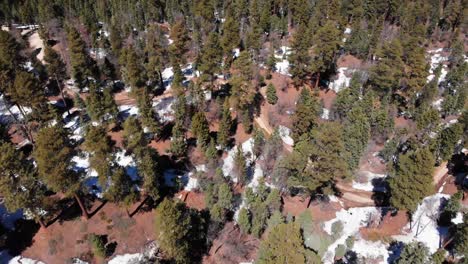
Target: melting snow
{"points": [[163, 108], [22, 260], [371, 250], [325, 114], [425, 227], [342, 81], [367, 185], [128, 163], [126, 258], [436, 59], [352, 219], [458, 219], [282, 65], [285, 135], [130, 110]]}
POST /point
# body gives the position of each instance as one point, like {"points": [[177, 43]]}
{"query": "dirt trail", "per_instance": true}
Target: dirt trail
{"points": [[35, 42]]}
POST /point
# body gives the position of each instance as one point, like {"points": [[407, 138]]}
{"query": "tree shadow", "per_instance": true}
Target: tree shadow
{"points": [[21, 237]]}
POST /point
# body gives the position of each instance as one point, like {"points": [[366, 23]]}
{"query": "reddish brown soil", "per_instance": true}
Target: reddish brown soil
{"points": [[349, 61], [320, 211], [117, 137], [371, 162], [389, 226], [130, 234], [327, 97], [161, 146], [194, 200], [231, 246]]}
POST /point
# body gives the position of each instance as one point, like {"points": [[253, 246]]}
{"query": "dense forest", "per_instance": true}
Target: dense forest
{"points": [[234, 131]]}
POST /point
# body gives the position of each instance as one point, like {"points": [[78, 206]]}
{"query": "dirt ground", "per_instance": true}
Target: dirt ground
{"points": [[63, 240], [231, 246], [321, 211]]}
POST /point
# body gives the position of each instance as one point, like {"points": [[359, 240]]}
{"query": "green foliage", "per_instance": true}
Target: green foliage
{"points": [[240, 166], [149, 170], [133, 136], [178, 142], [460, 240], [82, 65], [299, 58], [356, 135], [272, 98], [211, 56], [439, 256], [200, 129], [53, 154], [447, 140], [98, 244], [414, 253], [244, 220], [284, 244], [180, 44], [412, 180], [316, 163], [328, 39], [173, 230], [306, 115], [225, 124], [427, 118], [121, 189], [100, 146], [340, 251], [385, 75]]}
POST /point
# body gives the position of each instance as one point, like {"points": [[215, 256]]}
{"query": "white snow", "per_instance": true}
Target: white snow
{"points": [[236, 53], [367, 184], [90, 175], [458, 219], [131, 110], [371, 250], [342, 80], [98, 53], [437, 104], [352, 219], [163, 108], [282, 64], [4, 107], [325, 114], [347, 30], [425, 227], [22, 260], [285, 133], [128, 163], [126, 258], [436, 58], [228, 164]]}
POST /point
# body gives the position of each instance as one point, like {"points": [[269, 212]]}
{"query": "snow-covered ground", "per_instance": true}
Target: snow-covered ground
{"points": [[163, 108], [325, 114], [126, 259], [128, 162], [425, 228], [8, 219], [282, 64], [285, 134], [352, 219], [367, 184], [6, 111], [342, 80], [130, 110], [436, 58]]}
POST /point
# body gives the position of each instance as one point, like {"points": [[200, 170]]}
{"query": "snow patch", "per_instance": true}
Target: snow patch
{"points": [[371, 250], [436, 58], [126, 258], [163, 108], [342, 80], [367, 185], [352, 219], [285, 133], [458, 218], [325, 114], [22, 260], [425, 228]]}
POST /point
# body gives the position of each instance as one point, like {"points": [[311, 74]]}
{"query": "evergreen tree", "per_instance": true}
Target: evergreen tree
{"points": [[149, 170], [180, 44], [173, 230], [100, 147], [156, 49], [306, 114], [385, 76], [133, 71], [448, 139], [148, 115], [284, 244], [133, 135], [211, 57], [356, 135], [272, 98], [200, 129], [230, 38], [414, 253], [328, 43], [19, 184], [299, 59], [56, 69], [82, 65], [348, 97], [412, 180], [315, 164], [178, 142], [120, 190], [240, 166], [460, 240], [244, 220], [53, 154]]}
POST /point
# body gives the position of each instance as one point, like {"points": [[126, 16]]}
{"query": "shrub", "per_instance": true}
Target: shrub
{"points": [[98, 245]]}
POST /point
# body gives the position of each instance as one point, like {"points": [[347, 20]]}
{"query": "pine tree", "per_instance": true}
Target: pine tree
{"points": [[53, 154], [147, 114], [178, 142], [299, 59], [259, 143], [240, 166], [284, 244], [460, 240], [19, 184], [412, 180], [348, 97], [180, 44], [133, 135], [414, 253], [230, 38], [225, 125], [26, 91], [448, 139], [56, 69], [120, 190], [385, 76], [200, 129], [315, 164], [356, 135], [10, 59], [243, 92], [149, 170], [82, 65], [211, 57], [306, 115], [173, 230], [100, 146], [328, 43], [272, 98], [133, 70], [156, 49], [244, 220]]}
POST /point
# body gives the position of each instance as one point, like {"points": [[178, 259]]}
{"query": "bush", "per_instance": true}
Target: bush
{"points": [[337, 228], [98, 245], [340, 251]]}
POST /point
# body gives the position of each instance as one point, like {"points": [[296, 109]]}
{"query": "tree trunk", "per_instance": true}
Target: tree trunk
{"points": [[139, 207], [161, 81], [80, 203], [61, 94], [310, 201], [41, 223], [317, 80], [25, 124]]}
